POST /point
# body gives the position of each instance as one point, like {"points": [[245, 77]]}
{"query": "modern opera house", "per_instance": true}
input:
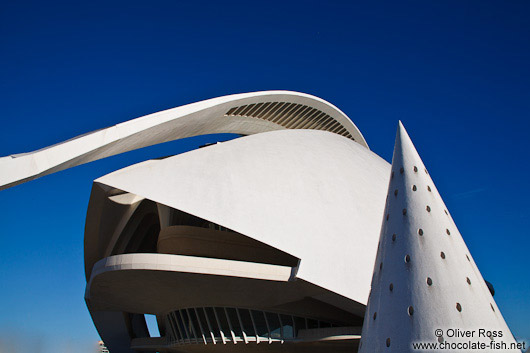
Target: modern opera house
{"points": [[266, 242]]}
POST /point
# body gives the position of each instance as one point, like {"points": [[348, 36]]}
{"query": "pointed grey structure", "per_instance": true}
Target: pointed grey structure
{"points": [[426, 286]]}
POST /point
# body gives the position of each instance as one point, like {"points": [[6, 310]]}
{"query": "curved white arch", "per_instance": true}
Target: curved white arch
{"points": [[245, 114]]}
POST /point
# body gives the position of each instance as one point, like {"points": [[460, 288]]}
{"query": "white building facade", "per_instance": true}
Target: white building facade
{"points": [[265, 242]]}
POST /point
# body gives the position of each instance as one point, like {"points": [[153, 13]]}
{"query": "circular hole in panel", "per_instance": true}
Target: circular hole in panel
{"points": [[395, 192], [407, 259], [442, 255], [420, 231], [388, 342], [375, 315], [428, 208], [448, 232], [410, 310], [394, 237], [428, 188], [468, 280], [414, 188], [429, 281], [458, 307], [404, 211], [391, 287], [415, 169]]}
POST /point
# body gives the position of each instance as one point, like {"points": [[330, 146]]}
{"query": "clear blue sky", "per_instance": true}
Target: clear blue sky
{"points": [[457, 73]]}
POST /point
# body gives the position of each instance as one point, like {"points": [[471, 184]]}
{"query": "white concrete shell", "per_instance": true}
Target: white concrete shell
{"points": [[245, 114], [315, 196], [290, 199], [312, 194], [284, 223], [426, 288]]}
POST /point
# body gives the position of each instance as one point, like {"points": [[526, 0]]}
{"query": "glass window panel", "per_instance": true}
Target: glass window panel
{"points": [[193, 324], [287, 322], [274, 325], [180, 325], [173, 325], [202, 320], [299, 324], [324, 324], [234, 320], [223, 322], [261, 325], [213, 322], [187, 323], [312, 323], [247, 322]]}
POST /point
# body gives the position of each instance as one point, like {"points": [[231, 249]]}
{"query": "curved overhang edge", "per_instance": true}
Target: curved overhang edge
{"points": [[195, 119]]}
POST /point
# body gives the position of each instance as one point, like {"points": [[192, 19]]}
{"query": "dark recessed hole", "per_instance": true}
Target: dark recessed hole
{"points": [[428, 208], [404, 211], [490, 288], [410, 310], [380, 266], [414, 188], [420, 231], [442, 255], [395, 192], [401, 170], [492, 308], [391, 287], [415, 169], [468, 280], [407, 259], [387, 216], [447, 213], [448, 232], [429, 281], [428, 188], [392, 175], [394, 237], [458, 307], [388, 342], [468, 259], [375, 315]]}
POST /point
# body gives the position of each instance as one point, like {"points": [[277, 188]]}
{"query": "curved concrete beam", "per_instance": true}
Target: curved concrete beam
{"points": [[245, 114], [161, 283], [191, 264]]}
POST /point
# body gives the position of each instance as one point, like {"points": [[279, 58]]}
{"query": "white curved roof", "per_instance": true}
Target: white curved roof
{"points": [[245, 114], [312, 194]]}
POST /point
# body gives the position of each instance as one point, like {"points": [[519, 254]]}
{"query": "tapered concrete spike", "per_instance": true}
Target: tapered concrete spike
{"points": [[424, 276]]}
